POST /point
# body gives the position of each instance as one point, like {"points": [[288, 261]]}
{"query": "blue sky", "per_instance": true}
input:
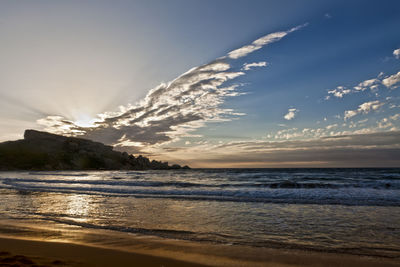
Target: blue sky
{"points": [[112, 71]]}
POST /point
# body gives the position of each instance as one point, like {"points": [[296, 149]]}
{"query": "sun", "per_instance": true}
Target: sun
{"points": [[85, 120]]}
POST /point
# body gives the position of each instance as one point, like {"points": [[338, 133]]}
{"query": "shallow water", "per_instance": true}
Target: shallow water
{"points": [[347, 210]]}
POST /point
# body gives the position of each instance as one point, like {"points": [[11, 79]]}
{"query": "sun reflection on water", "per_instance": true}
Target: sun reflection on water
{"points": [[78, 206]]}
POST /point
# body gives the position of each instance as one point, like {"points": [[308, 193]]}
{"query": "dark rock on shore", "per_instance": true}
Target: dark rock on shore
{"points": [[45, 151]]}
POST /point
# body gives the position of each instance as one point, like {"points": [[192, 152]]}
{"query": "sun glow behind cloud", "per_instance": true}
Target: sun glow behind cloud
{"points": [[173, 111]]}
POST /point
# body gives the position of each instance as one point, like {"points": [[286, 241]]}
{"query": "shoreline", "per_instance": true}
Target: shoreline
{"points": [[69, 217], [165, 253]]}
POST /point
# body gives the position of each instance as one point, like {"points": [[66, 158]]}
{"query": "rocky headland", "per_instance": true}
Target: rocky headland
{"points": [[46, 151]]}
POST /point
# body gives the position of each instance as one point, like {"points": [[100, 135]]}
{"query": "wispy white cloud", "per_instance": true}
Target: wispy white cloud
{"points": [[385, 123], [373, 84], [339, 92], [336, 129], [248, 66], [331, 126], [261, 42], [291, 114], [388, 122], [368, 84], [392, 80], [364, 108], [396, 53]]}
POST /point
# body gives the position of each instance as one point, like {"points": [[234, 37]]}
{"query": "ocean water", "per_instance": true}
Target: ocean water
{"points": [[355, 211]]}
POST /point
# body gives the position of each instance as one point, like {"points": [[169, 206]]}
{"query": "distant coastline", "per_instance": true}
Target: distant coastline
{"points": [[44, 151]]}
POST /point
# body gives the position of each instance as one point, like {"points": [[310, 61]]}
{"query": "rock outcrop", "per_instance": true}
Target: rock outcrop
{"points": [[46, 151]]}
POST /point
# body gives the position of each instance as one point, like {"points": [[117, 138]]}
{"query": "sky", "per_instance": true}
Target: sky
{"points": [[208, 83]]}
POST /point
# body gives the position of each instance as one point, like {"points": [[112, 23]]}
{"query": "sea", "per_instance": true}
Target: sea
{"points": [[353, 211]]}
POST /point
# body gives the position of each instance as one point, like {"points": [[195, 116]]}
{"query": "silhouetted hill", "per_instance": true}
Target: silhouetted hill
{"points": [[45, 151]]}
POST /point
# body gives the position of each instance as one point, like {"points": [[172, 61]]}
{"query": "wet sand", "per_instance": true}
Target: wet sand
{"points": [[18, 252]]}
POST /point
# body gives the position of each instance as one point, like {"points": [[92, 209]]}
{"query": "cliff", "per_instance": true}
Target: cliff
{"points": [[45, 151]]}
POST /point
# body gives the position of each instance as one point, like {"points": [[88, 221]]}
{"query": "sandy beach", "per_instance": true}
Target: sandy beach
{"points": [[18, 252], [92, 219]]}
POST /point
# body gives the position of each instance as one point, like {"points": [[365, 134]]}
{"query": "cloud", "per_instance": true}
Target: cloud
{"points": [[331, 126], [339, 91], [291, 114], [261, 42], [364, 108], [396, 53], [378, 149], [367, 84], [384, 123], [349, 128], [392, 80], [167, 112], [60, 123], [171, 110], [371, 84], [248, 66]]}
